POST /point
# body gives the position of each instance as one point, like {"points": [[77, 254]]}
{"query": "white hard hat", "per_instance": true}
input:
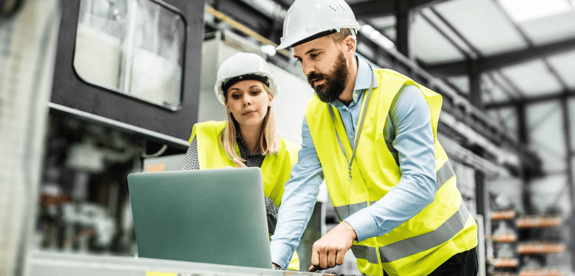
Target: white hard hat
{"points": [[310, 19], [243, 66]]}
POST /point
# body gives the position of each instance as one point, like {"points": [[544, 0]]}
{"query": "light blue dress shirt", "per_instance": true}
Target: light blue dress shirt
{"points": [[409, 138]]}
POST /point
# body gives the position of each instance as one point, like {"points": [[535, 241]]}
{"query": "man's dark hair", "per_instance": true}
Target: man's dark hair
{"points": [[341, 35]]}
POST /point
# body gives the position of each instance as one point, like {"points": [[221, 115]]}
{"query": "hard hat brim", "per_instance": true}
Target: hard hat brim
{"points": [[309, 37]]}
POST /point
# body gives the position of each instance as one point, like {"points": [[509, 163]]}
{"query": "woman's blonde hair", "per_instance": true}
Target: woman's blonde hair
{"points": [[268, 137]]}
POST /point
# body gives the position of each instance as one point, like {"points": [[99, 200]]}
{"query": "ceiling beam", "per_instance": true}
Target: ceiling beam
{"points": [[513, 93], [475, 90], [569, 163], [531, 44], [252, 17], [402, 29], [531, 100], [459, 68], [455, 31], [377, 8], [442, 32]]}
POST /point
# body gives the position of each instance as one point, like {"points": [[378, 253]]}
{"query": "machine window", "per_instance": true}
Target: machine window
{"points": [[133, 47]]}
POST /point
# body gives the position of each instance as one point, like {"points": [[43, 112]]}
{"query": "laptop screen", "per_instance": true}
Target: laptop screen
{"points": [[209, 216]]}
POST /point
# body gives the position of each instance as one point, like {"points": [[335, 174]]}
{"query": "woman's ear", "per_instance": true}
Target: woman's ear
{"points": [[271, 96]]}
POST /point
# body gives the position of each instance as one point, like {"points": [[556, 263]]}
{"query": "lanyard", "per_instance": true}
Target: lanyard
{"points": [[358, 133]]}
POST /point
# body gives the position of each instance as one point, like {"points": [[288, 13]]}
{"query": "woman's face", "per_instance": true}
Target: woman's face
{"points": [[248, 101]]}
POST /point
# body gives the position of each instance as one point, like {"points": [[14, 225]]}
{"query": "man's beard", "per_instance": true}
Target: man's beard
{"points": [[335, 81]]}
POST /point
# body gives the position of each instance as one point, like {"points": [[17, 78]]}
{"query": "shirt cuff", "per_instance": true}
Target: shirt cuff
{"points": [[281, 254], [363, 223]]}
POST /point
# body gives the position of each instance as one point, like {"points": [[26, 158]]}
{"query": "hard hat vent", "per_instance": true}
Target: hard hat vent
{"points": [[338, 7]]}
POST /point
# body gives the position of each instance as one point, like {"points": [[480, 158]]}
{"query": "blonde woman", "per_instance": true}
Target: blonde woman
{"points": [[246, 87]]}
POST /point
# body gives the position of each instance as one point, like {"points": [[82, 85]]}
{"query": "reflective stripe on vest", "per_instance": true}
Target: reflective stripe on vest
{"points": [[365, 252], [442, 175], [401, 249], [413, 245]]}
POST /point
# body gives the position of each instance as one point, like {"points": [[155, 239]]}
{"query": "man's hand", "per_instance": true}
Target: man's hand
{"points": [[239, 164], [328, 251]]}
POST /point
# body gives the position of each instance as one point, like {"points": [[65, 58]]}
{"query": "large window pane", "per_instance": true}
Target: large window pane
{"points": [[134, 47]]}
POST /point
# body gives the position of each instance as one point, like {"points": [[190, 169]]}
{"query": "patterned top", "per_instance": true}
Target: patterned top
{"points": [[252, 160]]}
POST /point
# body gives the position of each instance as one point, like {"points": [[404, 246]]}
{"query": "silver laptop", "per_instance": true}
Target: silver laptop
{"points": [[209, 216]]}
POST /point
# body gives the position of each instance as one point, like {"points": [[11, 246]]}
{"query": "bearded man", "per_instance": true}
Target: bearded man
{"points": [[372, 135]]}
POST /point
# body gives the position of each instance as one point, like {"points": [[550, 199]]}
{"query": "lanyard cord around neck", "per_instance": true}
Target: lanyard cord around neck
{"points": [[358, 133]]}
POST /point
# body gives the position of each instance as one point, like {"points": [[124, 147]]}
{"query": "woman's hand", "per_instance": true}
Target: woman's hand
{"points": [[239, 164]]}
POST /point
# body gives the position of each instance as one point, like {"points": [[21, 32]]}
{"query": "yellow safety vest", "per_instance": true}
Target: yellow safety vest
{"points": [[421, 244], [276, 168]]}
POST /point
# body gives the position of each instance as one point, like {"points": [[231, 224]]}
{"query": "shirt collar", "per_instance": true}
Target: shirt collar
{"points": [[362, 81]]}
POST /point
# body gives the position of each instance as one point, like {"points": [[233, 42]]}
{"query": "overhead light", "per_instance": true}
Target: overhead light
{"points": [[376, 36], [268, 50], [525, 10]]}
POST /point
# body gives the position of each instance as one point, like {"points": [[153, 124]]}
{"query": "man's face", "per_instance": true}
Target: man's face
{"points": [[325, 67]]}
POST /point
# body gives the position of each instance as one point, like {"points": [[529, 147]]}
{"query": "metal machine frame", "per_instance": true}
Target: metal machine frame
{"points": [[70, 90]]}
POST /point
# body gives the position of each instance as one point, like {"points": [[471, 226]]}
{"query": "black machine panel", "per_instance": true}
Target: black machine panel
{"points": [[71, 90]]}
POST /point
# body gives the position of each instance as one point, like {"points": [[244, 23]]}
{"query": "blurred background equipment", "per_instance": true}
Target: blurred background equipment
{"points": [[26, 70]]}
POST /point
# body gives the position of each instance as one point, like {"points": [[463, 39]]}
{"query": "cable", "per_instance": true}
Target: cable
{"points": [[156, 154]]}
